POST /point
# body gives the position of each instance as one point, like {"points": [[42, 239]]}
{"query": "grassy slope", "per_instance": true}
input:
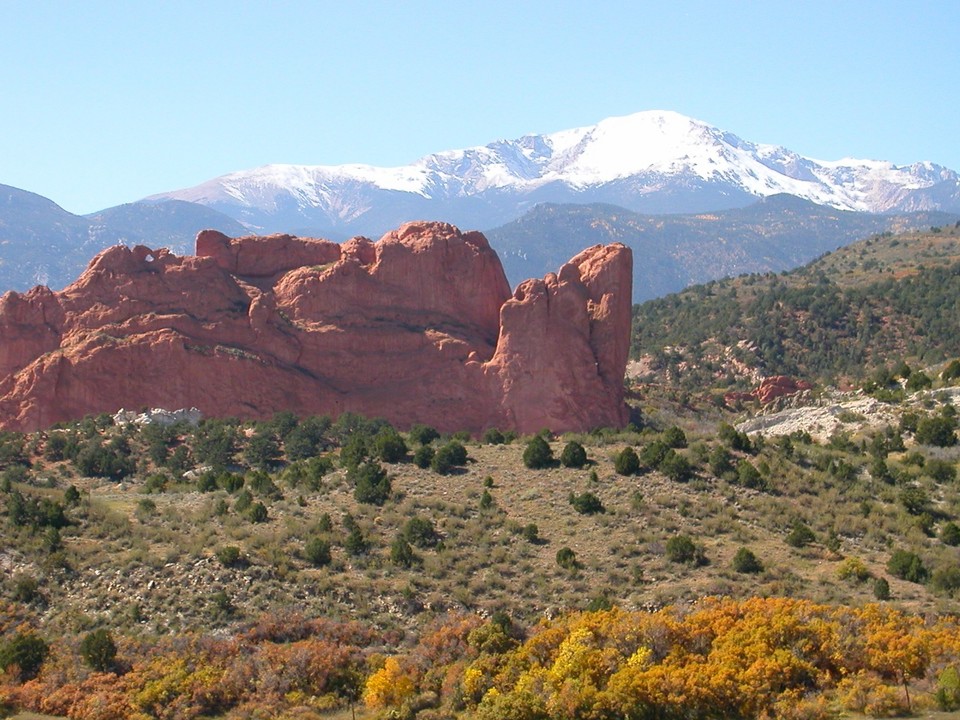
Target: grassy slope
{"points": [[161, 560]]}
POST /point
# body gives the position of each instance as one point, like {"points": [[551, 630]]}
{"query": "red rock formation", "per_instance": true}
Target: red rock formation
{"points": [[417, 327], [770, 389], [778, 386]]}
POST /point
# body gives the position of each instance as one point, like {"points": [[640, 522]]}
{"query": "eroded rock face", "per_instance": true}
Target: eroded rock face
{"points": [[417, 327], [770, 390]]}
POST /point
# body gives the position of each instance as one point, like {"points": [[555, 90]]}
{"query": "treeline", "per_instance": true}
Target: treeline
{"points": [[770, 657], [810, 327]]}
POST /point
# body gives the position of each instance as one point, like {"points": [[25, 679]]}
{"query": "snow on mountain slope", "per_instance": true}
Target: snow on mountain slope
{"points": [[654, 151]]}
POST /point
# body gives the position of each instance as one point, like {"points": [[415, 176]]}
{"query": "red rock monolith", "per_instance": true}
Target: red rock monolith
{"points": [[419, 327]]}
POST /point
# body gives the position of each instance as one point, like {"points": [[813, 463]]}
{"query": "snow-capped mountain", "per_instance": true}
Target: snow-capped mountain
{"points": [[654, 162]]}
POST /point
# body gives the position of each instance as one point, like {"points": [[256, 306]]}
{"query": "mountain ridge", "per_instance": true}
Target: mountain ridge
{"points": [[772, 234], [644, 161], [43, 244]]}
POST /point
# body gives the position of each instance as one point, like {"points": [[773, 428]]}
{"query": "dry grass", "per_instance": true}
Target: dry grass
{"points": [[154, 569]]}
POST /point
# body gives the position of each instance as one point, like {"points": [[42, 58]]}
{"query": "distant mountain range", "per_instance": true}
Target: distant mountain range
{"points": [[653, 162], [671, 252], [43, 244], [710, 201]]}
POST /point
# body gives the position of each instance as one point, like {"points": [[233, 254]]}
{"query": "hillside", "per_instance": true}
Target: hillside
{"points": [[672, 252], [875, 303], [290, 533]]}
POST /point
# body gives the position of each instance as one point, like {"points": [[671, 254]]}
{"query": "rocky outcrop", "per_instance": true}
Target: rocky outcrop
{"points": [[778, 386], [419, 326], [770, 390]]}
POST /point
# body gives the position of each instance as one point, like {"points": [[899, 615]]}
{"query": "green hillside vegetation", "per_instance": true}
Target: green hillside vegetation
{"points": [[841, 318], [103, 531]]}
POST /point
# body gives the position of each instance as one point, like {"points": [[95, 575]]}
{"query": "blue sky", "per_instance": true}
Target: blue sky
{"points": [[107, 102]]}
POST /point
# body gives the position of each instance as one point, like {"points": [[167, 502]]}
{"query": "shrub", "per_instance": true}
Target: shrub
{"points": [[940, 470], [492, 436], [354, 451], [214, 443], [24, 651], [951, 371], [262, 450], [881, 589], [745, 561], [448, 457], [800, 535], [586, 503], [388, 446], [567, 558], [263, 485], [221, 605], [317, 552], [918, 380], [734, 439], [907, 566], [950, 534], [853, 568], [258, 513], [420, 532], [945, 580], [207, 482], [231, 482], [573, 455], [720, 460], [675, 466], [356, 543], [914, 500], [229, 556], [537, 454], [401, 553], [457, 452], [306, 439], [111, 461], [748, 476], [938, 431], [674, 437], [530, 533], [243, 502], [25, 589], [682, 549], [627, 462], [423, 456], [652, 455], [423, 434], [486, 500], [98, 650], [947, 694], [371, 483], [599, 603]]}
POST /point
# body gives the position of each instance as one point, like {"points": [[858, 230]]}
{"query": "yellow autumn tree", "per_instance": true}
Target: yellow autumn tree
{"points": [[389, 686]]}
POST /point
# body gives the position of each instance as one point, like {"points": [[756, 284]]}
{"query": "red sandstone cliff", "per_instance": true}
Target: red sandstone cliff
{"points": [[417, 327]]}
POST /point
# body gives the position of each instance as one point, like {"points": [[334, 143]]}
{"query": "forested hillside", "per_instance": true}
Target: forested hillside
{"points": [[871, 304]]}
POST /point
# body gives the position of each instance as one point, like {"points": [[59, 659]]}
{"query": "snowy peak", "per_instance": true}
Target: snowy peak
{"points": [[653, 161]]}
